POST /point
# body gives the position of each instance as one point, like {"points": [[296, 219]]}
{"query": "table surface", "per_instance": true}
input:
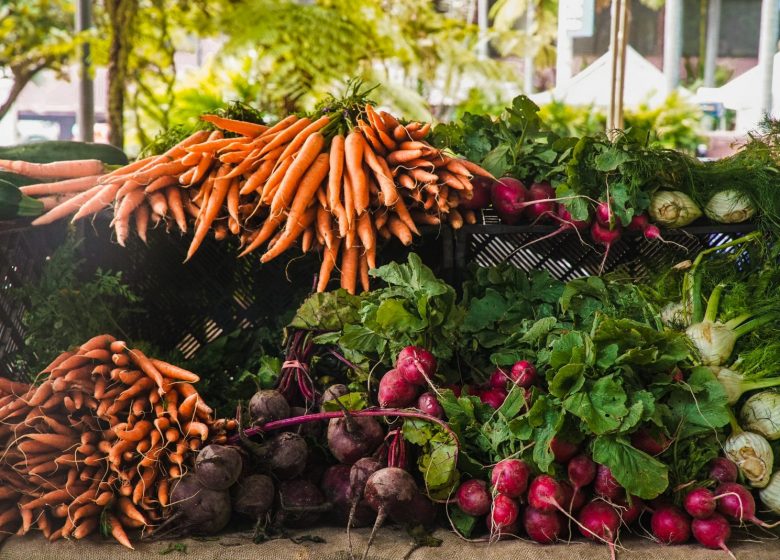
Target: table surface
{"points": [[390, 544]]}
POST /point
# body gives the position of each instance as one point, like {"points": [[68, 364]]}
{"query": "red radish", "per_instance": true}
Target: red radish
{"points": [[652, 232], [566, 219], [545, 494], [712, 532], [638, 223], [508, 196], [416, 365], [503, 513], [599, 521], [736, 501], [606, 486], [480, 194], [563, 217], [671, 525], [523, 374], [605, 237], [581, 470], [498, 379], [723, 470], [544, 207], [429, 404], [652, 444], [573, 501], [605, 216], [563, 450], [395, 391], [542, 527], [504, 532], [493, 397], [630, 513], [473, 497], [457, 390], [700, 503], [510, 477]]}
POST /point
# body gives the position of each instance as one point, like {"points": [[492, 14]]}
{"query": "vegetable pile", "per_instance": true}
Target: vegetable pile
{"points": [[99, 442]]}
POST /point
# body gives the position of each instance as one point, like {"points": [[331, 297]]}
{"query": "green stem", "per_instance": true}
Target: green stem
{"points": [[735, 427], [713, 303], [697, 309], [754, 324], [738, 320], [762, 384]]}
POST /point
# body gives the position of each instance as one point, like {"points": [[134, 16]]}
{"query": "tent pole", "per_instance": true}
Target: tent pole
{"points": [[767, 47], [613, 59], [625, 8], [85, 115], [673, 14], [713, 36]]}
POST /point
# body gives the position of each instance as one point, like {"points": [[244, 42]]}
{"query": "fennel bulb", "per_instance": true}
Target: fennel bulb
{"points": [[761, 414], [729, 207], [752, 455], [673, 209]]}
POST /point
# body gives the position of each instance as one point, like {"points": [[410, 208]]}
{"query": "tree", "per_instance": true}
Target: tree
{"points": [[35, 35]]}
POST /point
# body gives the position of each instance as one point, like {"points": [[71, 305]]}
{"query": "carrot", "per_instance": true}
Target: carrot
{"points": [[51, 498], [199, 429], [117, 531], [142, 221], [158, 203], [232, 199], [129, 377], [455, 219], [365, 230], [336, 170], [372, 138], [143, 384], [399, 132], [328, 264], [144, 484], [172, 434], [101, 341], [12, 387], [54, 441], [137, 433], [364, 281], [187, 407], [390, 121], [145, 177], [239, 127], [173, 199], [324, 226], [173, 372], [69, 206], [349, 206], [146, 365], [403, 214], [383, 176], [349, 269], [371, 257], [303, 135], [291, 232], [41, 394], [286, 135], [298, 173], [402, 156], [308, 186], [162, 492], [354, 146], [475, 169], [308, 239], [77, 185], [57, 170], [425, 219], [420, 133], [423, 176], [122, 216], [399, 229], [216, 199]]}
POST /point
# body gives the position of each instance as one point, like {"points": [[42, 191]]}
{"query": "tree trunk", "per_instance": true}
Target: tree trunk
{"points": [[120, 13], [20, 80]]}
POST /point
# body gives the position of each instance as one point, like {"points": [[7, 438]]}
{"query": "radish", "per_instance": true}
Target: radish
{"points": [[473, 497], [544, 208], [571, 499], [582, 471], [493, 397], [671, 525], [510, 477], [599, 521], [457, 390], [651, 444], [498, 379], [605, 237], [606, 486], [523, 374], [429, 404], [638, 223], [480, 194], [723, 469], [736, 501], [563, 450], [504, 512], [630, 513], [508, 196], [416, 365], [545, 494], [351, 438], [700, 503], [712, 532], [395, 391], [388, 491], [542, 527], [605, 216]]}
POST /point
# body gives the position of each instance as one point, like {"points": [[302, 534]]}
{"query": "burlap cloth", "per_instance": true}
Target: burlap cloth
{"points": [[390, 544]]}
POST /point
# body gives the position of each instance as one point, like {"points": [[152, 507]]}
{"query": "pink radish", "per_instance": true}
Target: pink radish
{"points": [[582, 471], [493, 397], [473, 497], [508, 196], [563, 217], [503, 514], [480, 194], [457, 390], [498, 379], [571, 499], [545, 494], [510, 477], [395, 391], [671, 525], [605, 216], [563, 450], [599, 521], [736, 501], [523, 374], [630, 513], [712, 532], [544, 207], [606, 238], [416, 365], [542, 527], [652, 444], [723, 470], [606, 486], [429, 404], [700, 503], [638, 223]]}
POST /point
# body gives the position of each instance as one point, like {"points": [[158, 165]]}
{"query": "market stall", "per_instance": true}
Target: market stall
{"points": [[478, 332]]}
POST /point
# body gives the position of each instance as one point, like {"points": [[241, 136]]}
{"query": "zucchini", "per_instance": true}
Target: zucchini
{"points": [[59, 150], [17, 180], [14, 204]]}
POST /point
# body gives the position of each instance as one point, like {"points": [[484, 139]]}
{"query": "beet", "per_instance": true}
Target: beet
{"points": [[421, 511], [218, 467], [416, 365], [572, 502], [295, 498], [541, 526], [473, 497], [268, 405], [606, 486], [542, 210], [353, 438], [286, 455], [253, 496], [204, 511], [480, 194], [390, 490], [429, 404], [508, 196], [395, 391], [334, 392], [359, 473], [563, 450], [736, 501], [671, 525], [630, 513], [510, 477], [335, 486]]}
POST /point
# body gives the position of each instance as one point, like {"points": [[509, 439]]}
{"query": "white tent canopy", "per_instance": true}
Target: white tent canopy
{"points": [[644, 84]]}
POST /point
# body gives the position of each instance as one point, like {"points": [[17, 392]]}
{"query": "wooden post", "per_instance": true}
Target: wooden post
{"points": [[767, 47], [617, 48], [85, 114]]}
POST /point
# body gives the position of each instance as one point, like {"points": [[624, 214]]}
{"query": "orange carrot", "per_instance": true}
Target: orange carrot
{"points": [[400, 230], [455, 219], [146, 365], [187, 408], [173, 372], [475, 169], [309, 184], [142, 221], [421, 132], [51, 498], [324, 226], [216, 199], [286, 135], [231, 125], [301, 137], [365, 230], [77, 185], [371, 257], [198, 429], [354, 146], [232, 199], [266, 232], [173, 199], [336, 170], [372, 138], [364, 282], [307, 241], [272, 184], [122, 216], [256, 179], [383, 175], [117, 531], [349, 269], [69, 206], [423, 176], [403, 214], [211, 146], [349, 206], [306, 157], [57, 170], [290, 234], [328, 264]]}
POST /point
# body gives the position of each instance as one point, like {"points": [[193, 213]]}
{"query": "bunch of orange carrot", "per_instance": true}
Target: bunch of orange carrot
{"points": [[99, 441], [335, 183]]}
